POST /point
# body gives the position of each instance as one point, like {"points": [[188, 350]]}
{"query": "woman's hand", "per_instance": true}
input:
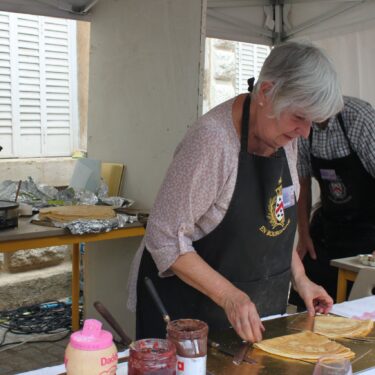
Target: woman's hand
{"points": [[243, 315], [240, 310], [316, 299], [305, 245]]}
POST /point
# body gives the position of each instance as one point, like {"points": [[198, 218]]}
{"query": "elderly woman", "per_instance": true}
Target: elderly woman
{"points": [[219, 240]]}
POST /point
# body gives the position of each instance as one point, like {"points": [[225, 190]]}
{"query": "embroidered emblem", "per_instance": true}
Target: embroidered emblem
{"points": [[337, 189], [338, 193], [279, 209], [276, 214]]}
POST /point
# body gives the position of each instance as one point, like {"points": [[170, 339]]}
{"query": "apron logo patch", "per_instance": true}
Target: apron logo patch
{"points": [[338, 192], [279, 210], [276, 214]]}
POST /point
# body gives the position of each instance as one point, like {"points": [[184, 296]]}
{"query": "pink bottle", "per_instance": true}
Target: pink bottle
{"points": [[91, 351]]}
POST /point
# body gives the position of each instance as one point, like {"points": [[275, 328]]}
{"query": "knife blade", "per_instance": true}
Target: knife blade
{"points": [[224, 350], [240, 355]]}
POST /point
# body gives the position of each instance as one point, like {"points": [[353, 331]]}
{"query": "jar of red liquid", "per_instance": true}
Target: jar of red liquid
{"points": [[190, 339], [152, 357]]}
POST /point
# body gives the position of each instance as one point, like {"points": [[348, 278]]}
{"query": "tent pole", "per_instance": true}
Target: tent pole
{"points": [[278, 16]]}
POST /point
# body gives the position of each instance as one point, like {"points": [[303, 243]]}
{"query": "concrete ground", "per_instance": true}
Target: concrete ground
{"points": [[31, 356]]}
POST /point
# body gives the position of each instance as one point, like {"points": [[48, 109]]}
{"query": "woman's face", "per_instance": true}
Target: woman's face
{"points": [[277, 132]]}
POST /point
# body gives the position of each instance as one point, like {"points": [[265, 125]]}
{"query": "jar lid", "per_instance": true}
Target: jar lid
{"points": [[91, 337]]}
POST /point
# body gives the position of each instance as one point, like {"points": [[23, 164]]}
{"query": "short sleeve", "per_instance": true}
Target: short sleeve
{"points": [[362, 127]]}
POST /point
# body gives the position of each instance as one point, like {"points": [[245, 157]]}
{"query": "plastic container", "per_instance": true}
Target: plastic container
{"points": [[91, 351], [190, 338], [152, 357]]}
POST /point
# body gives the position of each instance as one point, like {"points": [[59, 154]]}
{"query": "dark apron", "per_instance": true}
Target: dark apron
{"points": [[251, 247], [344, 225]]}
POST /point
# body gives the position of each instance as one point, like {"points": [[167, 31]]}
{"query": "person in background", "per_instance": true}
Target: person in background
{"points": [[219, 239], [340, 155]]}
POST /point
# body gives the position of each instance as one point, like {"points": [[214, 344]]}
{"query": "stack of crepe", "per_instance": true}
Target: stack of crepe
{"points": [[336, 326], [71, 213], [310, 346], [305, 345]]}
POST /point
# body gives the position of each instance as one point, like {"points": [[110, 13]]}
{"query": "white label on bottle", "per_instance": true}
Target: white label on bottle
{"points": [[191, 366]]}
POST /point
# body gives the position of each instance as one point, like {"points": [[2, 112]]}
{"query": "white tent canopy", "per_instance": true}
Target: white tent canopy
{"points": [[270, 21], [75, 9], [345, 28], [254, 21]]}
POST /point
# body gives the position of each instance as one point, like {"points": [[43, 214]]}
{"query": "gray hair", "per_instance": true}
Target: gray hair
{"points": [[304, 79]]}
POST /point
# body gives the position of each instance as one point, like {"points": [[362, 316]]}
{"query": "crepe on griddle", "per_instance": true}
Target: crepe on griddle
{"points": [[304, 346], [337, 326], [71, 213]]}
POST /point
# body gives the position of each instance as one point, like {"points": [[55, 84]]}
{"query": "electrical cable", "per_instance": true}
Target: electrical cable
{"points": [[46, 319]]}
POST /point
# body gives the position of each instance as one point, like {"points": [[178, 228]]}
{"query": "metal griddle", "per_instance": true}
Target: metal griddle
{"points": [[8, 214], [221, 364]]}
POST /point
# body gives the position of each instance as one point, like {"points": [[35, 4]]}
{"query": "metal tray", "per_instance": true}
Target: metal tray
{"points": [[221, 364]]}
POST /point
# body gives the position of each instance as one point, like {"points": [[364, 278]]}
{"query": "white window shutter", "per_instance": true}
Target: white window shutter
{"points": [[60, 107], [44, 115], [27, 43], [6, 125], [249, 61]]}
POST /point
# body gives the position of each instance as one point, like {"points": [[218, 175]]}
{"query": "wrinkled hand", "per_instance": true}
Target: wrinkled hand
{"points": [[243, 315], [305, 245], [316, 299]]}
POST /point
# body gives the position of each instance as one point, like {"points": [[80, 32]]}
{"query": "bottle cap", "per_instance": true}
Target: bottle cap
{"points": [[91, 337]]}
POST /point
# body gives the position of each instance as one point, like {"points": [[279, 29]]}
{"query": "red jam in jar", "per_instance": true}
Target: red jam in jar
{"points": [[152, 357]]}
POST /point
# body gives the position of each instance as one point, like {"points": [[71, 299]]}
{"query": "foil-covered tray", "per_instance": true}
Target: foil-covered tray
{"points": [[221, 364]]}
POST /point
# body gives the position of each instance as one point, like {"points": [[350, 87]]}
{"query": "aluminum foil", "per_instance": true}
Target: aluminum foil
{"points": [[41, 195], [96, 226], [103, 189], [29, 192], [85, 197], [117, 202]]}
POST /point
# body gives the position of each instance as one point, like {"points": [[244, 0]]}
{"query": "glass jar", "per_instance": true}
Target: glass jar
{"points": [[91, 351], [190, 338], [152, 356]]}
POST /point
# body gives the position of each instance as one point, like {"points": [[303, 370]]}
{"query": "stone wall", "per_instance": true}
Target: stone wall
{"points": [[26, 260], [220, 72], [36, 275], [36, 286], [228, 66]]}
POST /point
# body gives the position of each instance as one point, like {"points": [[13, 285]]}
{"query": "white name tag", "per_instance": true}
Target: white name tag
{"points": [[288, 196], [328, 174]]}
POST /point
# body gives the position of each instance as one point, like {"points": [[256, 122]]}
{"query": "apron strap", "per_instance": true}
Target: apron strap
{"points": [[342, 126], [245, 123]]}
